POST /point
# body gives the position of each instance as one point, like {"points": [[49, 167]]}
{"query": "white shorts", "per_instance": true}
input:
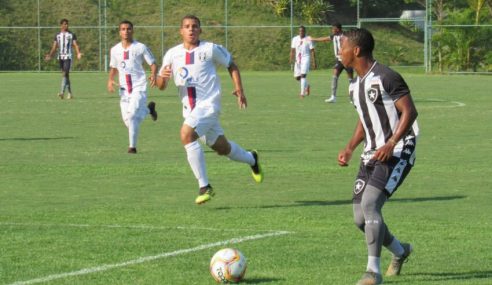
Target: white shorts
{"points": [[134, 105], [206, 125], [302, 67]]}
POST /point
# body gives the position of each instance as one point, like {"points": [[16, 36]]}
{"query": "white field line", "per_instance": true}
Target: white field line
{"points": [[454, 104], [106, 267], [139, 227]]}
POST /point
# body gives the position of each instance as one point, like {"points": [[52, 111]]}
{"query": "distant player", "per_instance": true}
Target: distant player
{"points": [[64, 41], [301, 51], [127, 58], [193, 66], [387, 125], [335, 37]]}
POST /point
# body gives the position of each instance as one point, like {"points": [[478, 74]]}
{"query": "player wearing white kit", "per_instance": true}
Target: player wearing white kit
{"points": [[192, 64], [127, 58], [301, 49]]}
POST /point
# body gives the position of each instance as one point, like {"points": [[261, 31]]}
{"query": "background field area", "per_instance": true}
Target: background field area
{"points": [[75, 208]]}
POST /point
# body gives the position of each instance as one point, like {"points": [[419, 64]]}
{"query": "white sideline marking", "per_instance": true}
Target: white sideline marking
{"points": [[433, 100], [141, 227], [106, 267]]}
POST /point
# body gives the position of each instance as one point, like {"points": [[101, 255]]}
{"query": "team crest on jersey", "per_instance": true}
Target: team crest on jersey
{"points": [[183, 72], [373, 93], [359, 186], [202, 56]]}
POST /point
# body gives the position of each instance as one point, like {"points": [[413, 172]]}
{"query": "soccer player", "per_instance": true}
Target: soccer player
{"points": [[192, 64], [387, 125], [335, 37], [64, 41], [301, 50], [127, 58]]}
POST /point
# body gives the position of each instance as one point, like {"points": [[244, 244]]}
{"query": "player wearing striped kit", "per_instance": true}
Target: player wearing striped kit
{"points": [[127, 58], [387, 125], [301, 53], [65, 41], [336, 37], [192, 64]]}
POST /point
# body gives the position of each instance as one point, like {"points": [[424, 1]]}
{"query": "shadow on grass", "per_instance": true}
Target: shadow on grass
{"points": [[36, 139], [259, 280], [443, 276], [348, 202]]}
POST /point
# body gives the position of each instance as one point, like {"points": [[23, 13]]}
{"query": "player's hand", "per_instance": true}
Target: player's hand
{"points": [[152, 79], [241, 99], [166, 72], [385, 152], [79, 56], [47, 57], [344, 157], [111, 85]]}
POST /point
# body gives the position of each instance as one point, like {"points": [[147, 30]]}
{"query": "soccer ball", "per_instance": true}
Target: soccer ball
{"points": [[228, 265]]}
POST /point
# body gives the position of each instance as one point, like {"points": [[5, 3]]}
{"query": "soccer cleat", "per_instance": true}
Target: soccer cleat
{"points": [[332, 99], [152, 111], [205, 194], [370, 278], [70, 96], [60, 95], [257, 172], [397, 262], [132, 150]]}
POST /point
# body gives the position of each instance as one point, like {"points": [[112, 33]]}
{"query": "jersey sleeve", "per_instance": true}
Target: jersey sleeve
{"points": [[293, 43], [113, 63], [221, 56], [74, 37], [394, 84], [148, 56], [166, 60]]}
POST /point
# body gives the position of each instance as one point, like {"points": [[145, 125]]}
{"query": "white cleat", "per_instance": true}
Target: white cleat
{"points": [[332, 99]]}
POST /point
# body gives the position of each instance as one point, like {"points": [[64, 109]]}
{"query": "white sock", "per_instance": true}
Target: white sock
{"points": [[239, 154], [303, 85], [374, 264], [396, 248], [133, 128], [196, 159]]}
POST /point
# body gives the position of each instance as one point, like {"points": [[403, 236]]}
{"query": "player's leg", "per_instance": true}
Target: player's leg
{"points": [[67, 65], [298, 77], [63, 81], [305, 64], [337, 70]]}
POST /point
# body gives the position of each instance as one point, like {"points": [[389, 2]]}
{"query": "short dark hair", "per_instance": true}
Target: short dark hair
{"points": [[361, 38], [63, 21], [337, 25], [191, 17], [126, 22], [302, 27]]}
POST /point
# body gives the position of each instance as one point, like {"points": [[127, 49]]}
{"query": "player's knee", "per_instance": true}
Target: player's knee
{"points": [[221, 147], [359, 223]]}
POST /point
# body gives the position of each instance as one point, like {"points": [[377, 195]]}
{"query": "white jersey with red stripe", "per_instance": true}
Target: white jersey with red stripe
{"points": [[129, 64], [195, 75], [303, 47]]}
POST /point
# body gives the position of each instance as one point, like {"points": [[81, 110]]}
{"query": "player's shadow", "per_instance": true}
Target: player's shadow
{"points": [[446, 276], [36, 139], [307, 203], [260, 280]]}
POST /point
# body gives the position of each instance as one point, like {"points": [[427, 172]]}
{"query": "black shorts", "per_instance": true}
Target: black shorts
{"points": [[386, 176], [65, 65], [339, 68]]}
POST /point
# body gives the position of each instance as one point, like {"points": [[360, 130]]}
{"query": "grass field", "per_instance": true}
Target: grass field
{"points": [[75, 208]]}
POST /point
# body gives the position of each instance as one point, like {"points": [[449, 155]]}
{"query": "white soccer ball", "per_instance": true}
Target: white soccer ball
{"points": [[228, 265]]}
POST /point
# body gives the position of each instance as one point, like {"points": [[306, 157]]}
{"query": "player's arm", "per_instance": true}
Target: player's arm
{"points": [[345, 154], [163, 77], [238, 85], [292, 54], [111, 83], [52, 51], [153, 75], [406, 107], [77, 49], [321, 39], [313, 56]]}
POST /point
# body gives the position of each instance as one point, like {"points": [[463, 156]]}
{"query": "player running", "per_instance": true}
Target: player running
{"points": [[193, 66]]}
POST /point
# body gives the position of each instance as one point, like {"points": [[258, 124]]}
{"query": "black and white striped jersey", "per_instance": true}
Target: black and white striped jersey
{"points": [[337, 44], [65, 44], [374, 97]]}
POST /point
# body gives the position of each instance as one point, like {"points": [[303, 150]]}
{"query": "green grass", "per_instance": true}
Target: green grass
{"points": [[71, 198]]}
